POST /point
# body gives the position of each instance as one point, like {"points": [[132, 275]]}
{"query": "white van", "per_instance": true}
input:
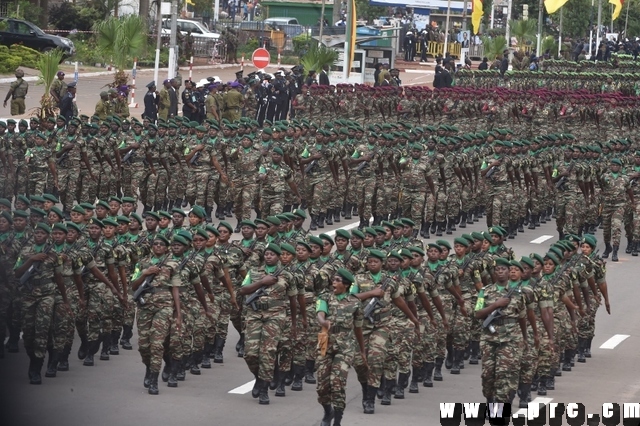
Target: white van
{"points": [[198, 29]]}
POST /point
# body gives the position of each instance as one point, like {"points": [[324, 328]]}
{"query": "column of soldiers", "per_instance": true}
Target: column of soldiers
{"points": [[409, 310]]}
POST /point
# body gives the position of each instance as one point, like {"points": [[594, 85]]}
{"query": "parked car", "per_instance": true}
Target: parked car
{"points": [[198, 29], [290, 26], [17, 31]]}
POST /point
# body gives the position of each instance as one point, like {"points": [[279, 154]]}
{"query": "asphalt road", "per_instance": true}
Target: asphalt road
{"points": [[111, 393], [89, 88]]}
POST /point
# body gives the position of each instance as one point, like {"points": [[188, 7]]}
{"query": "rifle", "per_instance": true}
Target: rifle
{"points": [[364, 164], [85, 271], [374, 303], [188, 259], [128, 156], [251, 300], [490, 172], [146, 284], [33, 269], [487, 323], [194, 159], [63, 158], [564, 179]]}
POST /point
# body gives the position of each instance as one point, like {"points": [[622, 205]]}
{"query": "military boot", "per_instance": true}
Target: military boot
{"points": [[388, 389], [449, 230], [629, 248], [337, 419], [525, 395], [614, 254], [607, 250], [314, 223], [63, 363], [35, 370], [437, 373], [153, 384], [424, 230], [127, 333], [206, 360], [402, 379], [581, 346], [172, 380], [454, 222], [298, 375], [218, 344], [566, 364], [428, 373], [329, 217], [280, 389], [309, 371], [288, 378], [474, 349], [240, 346], [14, 338], [114, 349], [92, 348], [542, 385], [532, 222], [441, 228], [457, 360], [274, 382], [195, 366], [634, 249], [463, 220], [329, 414], [106, 347], [52, 365], [336, 215], [380, 392], [147, 378], [415, 379], [166, 370], [321, 221], [448, 362], [348, 211], [370, 403], [365, 394], [434, 227], [257, 385], [551, 381], [587, 348], [534, 383], [263, 398]]}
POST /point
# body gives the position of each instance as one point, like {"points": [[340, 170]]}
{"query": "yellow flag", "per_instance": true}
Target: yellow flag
{"points": [[618, 8], [352, 36], [476, 15], [553, 5]]}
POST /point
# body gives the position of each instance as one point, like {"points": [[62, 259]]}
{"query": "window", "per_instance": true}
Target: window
{"points": [[21, 28]]}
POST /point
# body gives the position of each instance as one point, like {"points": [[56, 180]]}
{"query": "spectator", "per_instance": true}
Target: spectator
{"points": [[504, 65], [484, 65]]}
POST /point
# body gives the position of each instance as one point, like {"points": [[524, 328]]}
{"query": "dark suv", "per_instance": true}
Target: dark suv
{"points": [[16, 31]]}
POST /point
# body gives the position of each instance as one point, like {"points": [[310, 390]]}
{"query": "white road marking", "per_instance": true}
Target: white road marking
{"points": [[536, 400], [246, 388], [614, 341], [541, 240]]}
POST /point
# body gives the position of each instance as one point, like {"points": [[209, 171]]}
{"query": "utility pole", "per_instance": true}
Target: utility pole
{"points": [[599, 25], [539, 35], [464, 16], [508, 24], [173, 48], [446, 29], [560, 32], [321, 20], [158, 42], [626, 21]]}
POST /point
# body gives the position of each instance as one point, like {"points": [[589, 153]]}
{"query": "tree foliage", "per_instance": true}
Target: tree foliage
{"points": [[493, 47], [48, 65], [524, 31], [318, 56], [121, 39], [365, 11], [69, 16]]}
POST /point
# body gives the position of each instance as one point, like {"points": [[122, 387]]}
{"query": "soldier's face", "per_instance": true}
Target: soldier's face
{"points": [[549, 266], [225, 234], [114, 208], [515, 274], [41, 236], [47, 205], [109, 231], [338, 286], [178, 249], [77, 217], [444, 254], [502, 273], [213, 239], [393, 263], [19, 223], [127, 208], [159, 248], [199, 242], [369, 240], [356, 242], [261, 231], [271, 257], [277, 158], [302, 254], [459, 249], [586, 249], [134, 226], [58, 236], [194, 220], [164, 222], [4, 224], [72, 236], [496, 239], [416, 260], [398, 232], [246, 231], [374, 264], [137, 129], [380, 237], [526, 271], [53, 217], [326, 248], [123, 228], [615, 168], [341, 243]]}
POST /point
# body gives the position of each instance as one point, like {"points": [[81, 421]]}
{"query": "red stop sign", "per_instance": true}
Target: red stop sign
{"points": [[261, 58]]}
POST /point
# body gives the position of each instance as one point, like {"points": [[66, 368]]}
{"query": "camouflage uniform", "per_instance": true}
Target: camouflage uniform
{"points": [[614, 188], [68, 166], [274, 185], [247, 162]]}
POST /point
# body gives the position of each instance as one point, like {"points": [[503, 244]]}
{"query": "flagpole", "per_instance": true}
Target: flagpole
{"points": [[446, 29], [598, 27], [560, 33], [539, 35], [626, 21], [347, 44], [591, 27]]}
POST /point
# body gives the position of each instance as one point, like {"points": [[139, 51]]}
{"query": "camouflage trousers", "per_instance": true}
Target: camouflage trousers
{"points": [[177, 185], [403, 340], [62, 327], [7, 295], [37, 311], [461, 324], [320, 193], [271, 204], [447, 203], [574, 213], [501, 369], [413, 203], [100, 309], [197, 186], [222, 311], [289, 196], [612, 220], [363, 191], [529, 360], [18, 183], [561, 202], [135, 177], [180, 340], [425, 346], [339, 190], [501, 199], [79, 314], [37, 180], [245, 195], [519, 207], [285, 344], [386, 198], [587, 323], [237, 316], [263, 330], [68, 182], [546, 354], [430, 206], [332, 370], [88, 190], [593, 209], [376, 343], [107, 186], [154, 323], [212, 194], [467, 201], [306, 341], [157, 187]]}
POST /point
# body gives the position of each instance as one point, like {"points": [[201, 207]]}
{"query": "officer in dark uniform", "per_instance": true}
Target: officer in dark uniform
{"points": [[66, 103], [282, 96], [189, 108], [151, 103]]}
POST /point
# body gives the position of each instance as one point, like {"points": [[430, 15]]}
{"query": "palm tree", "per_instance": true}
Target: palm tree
{"points": [[318, 56], [493, 47], [121, 39], [48, 65], [524, 31]]}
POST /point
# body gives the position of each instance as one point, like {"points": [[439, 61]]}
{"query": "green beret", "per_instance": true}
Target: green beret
{"points": [[201, 232], [87, 206], [155, 215], [558, 251], [461, 241], [357, 233], [346, 275], [57, 211], [300, 213], [5, 202], [467, 237], [343, 233], [527, 261], [616, 161], [37, 198], [200, 129], [326, 238], [44, 227], [198, 211], [536, 256], [59, 227], [572, 237], [371, 231], [273, 220], [123, 219], [487, 236], [516, 264], [262, 222], [416, 250], [7, 216], [248, 223], [406, 253], [75, 227], [290, 216], [283, 218], [51, 197], [114, 198], [128, 200], [24, 199], [387, 224], [396, 254], [179, 211], [274, 248], [185, 234], [305, 245], [180, 240], [591, 240], [268, 131], [96, 221], [110, 222], [226, 225], [102, 203], [278, 150], [497, 230], [315, 240], [164, 214], [407, 222], [36, 211], [553, 256], [288, 247], [443, 243], [137, 217], [377, 254], [380, 230], [20, 213], [501, 261], [162, 238], [212, 229], [79, 209]]}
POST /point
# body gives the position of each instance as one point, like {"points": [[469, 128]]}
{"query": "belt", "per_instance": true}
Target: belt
{"points": [[504, 321], [338, 329], [41, 281], [263, 306], [378, 317], [17, 97]]}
